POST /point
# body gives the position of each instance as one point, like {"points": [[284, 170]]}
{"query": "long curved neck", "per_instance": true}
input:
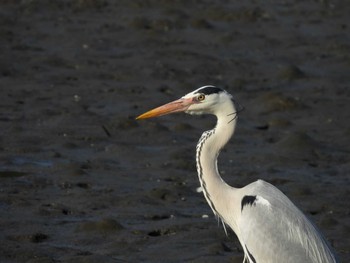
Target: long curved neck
{"points": [[208, 149]]}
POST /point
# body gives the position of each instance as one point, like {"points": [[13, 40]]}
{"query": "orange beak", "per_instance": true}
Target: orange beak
{"points": [[171, 107]]}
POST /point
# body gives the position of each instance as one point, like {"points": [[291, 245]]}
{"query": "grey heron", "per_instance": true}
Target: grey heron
{"points": [[268, 225]]}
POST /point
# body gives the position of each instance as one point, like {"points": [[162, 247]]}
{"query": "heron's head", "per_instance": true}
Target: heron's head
{"points": [[205, 100]]}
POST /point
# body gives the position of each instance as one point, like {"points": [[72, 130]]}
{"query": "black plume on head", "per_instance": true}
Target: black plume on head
{"points": [[207, 90]]}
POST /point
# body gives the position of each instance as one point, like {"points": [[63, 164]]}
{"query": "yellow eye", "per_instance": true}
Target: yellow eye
{"points": [[201, 97]]}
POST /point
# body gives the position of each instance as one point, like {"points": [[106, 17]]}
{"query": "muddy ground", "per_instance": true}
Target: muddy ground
{"points": [[82, 181]]}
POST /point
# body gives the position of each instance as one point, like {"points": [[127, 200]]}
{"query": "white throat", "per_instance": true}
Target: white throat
{"points": [[207, 151]]}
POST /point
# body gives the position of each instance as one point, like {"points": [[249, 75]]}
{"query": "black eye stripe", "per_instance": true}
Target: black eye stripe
{"points": [[209, 90]]}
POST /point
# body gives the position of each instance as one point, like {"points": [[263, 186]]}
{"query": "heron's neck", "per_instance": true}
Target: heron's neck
{"points": [[208, 148]]}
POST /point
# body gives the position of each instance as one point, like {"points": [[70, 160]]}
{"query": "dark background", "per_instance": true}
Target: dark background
{"points": [[82, 181]]}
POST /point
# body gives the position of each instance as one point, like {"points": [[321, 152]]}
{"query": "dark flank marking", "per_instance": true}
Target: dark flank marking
{"points": [[250, 255], [209, 90], [248, 200]]}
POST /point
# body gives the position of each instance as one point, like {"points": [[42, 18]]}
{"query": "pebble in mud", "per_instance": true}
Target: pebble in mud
{"points": [[290, 72], [201, 24], [183, 127], [104, 226], [274, 102], [11, 174], [297, 145], [164, 194], [34, 238], [156, 25], [279, 123]]}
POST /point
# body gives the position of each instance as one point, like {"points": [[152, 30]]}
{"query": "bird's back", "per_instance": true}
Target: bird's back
{"points": [[272, 229]]}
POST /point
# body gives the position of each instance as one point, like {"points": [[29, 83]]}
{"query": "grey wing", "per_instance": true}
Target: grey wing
{"points": [[272, 229]]}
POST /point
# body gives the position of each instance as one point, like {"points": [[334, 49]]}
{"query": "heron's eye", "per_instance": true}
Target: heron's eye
{"points": [[201, 97]]}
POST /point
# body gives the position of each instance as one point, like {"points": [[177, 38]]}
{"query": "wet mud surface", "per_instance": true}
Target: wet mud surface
{"points": [[82, 181]]}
